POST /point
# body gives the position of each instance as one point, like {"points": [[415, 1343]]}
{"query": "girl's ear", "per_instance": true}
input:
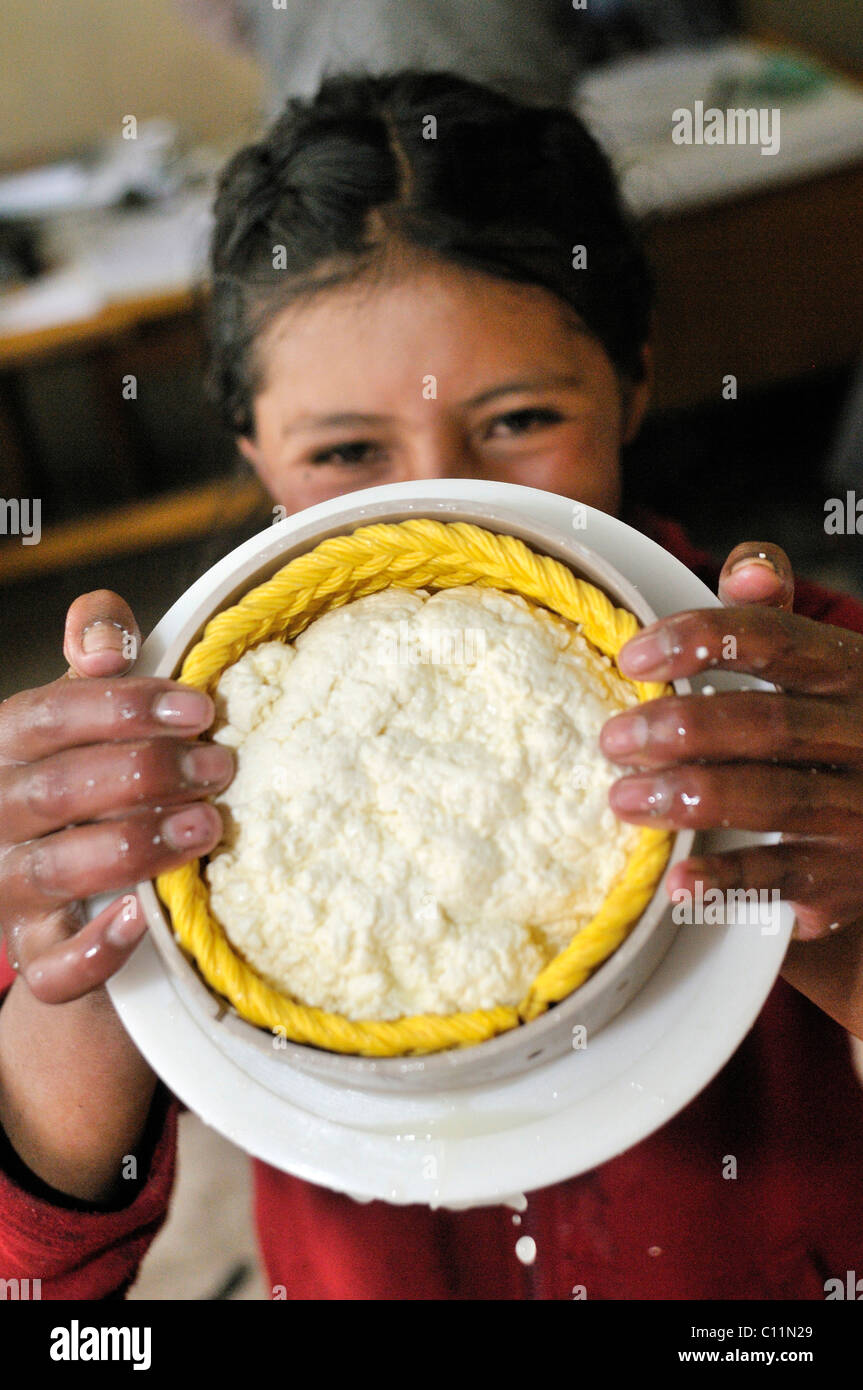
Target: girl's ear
{"points": [[637, 397], [249, 449]]}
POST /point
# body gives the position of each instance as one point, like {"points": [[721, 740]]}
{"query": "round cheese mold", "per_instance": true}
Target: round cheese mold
{"points": [[572, 924], [419, 821]]}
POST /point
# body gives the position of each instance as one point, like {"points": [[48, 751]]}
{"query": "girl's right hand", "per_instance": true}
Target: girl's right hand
{"points": [[101, 785]]}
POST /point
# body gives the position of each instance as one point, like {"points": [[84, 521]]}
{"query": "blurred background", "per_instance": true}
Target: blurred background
{"points": [[114, 120]]}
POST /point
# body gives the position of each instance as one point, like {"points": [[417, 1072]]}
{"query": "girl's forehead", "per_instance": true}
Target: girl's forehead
{"points": [[457, 326]]}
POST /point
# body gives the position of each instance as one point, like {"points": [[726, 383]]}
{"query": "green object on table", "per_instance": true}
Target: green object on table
{"points": [[782, 77]]}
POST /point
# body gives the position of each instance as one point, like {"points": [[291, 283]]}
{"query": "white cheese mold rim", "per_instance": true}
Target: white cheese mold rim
{"points": [[424, 1053]]}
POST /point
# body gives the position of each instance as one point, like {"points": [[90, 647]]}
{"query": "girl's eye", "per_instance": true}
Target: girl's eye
{"points": [[357, 451], [524, 421]]}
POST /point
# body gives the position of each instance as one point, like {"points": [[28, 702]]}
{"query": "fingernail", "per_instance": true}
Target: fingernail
{"points": [[648, 652], [698, 871], [625, 733], [102, 636], [183, 709], [207, 764], [758, 559], [805, 932], [642, 796], [194, 825], [127, 927]]}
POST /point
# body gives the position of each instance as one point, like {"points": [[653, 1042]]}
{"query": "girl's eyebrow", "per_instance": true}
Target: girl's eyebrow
{"points": [[352, 418], [345, 417], [543, 382]]}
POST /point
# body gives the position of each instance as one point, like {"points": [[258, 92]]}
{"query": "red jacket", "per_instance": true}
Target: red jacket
{"points": [[658, 1222]]}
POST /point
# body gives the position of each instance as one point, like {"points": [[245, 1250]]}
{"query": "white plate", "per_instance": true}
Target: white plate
{"points": [[482, 1144]]}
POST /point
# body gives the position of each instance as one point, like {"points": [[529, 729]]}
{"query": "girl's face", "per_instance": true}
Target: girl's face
{"points": [[437, 373]]}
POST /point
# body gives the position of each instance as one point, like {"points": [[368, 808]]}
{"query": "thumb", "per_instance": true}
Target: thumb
{"points": [[101, 637], [757, 572]]}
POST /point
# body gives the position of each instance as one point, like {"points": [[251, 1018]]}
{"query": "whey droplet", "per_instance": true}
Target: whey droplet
{"points": [[525, 1249], [517, 1201]]}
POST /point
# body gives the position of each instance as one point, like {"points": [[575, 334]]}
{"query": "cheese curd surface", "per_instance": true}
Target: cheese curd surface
{"points": [[419, 820]]}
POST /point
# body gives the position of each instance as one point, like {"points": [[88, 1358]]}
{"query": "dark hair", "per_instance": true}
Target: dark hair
{"points": [[339, 179]]}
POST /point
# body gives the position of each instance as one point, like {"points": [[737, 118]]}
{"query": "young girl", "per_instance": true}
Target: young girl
{"points": [[389, 229]]}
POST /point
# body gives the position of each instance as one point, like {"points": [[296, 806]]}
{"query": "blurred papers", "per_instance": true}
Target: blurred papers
{"points": [[147, 166], [38, 192], [111, 256], [62, 296], [132, 253], [629, 105]]}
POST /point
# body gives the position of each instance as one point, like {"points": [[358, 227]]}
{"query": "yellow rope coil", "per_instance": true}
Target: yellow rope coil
{"points": [[410, 554]]}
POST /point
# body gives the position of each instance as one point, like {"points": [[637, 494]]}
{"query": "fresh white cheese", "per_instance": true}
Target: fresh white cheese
{"points": [[419, 820]]}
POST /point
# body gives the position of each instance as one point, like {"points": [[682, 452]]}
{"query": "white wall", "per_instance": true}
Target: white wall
{"points": [[70, 69]]}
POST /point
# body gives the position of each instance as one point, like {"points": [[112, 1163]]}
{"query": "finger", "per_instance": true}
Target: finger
{"points": [[81, 785], [758, 797], [106, 857], [821, 882], [737, 726], [101, 636], [757, 572], [794, 652], [830, 973], [67, 714], [25, 936], [73, 965]]}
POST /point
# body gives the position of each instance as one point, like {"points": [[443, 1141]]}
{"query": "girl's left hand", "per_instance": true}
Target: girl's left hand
{"points": [[788, 761]]}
